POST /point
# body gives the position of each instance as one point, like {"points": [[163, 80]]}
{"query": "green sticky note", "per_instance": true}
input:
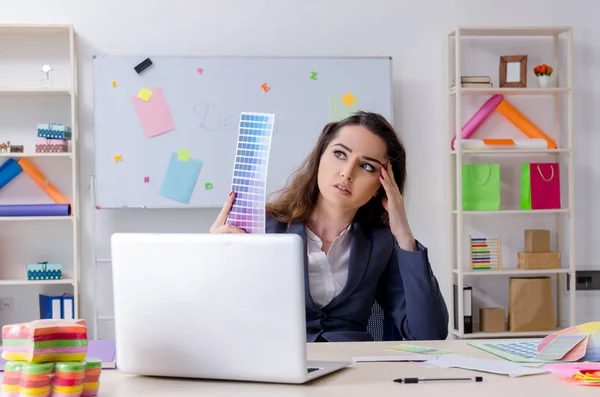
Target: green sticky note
{"points": [[338, 108], [183, 155]]}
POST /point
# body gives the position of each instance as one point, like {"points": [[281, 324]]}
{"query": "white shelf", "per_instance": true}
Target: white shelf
{"points": [[509, 91], [560, 119], [513, 212], [67, 155], [27, 29], [66, 281], [510, 31], [496, 335], [36, 218], [28, 47], [5, 91], [513, 272], [510, 151]]}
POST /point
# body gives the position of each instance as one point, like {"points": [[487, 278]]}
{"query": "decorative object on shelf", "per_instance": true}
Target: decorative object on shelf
{"points": [[537, 253], [4, 147], [43, 183], [513, 71], [503, 143], [57, 306], [500, 104], [53, 131], [8, 171], [486, 253], [540, 186], [46, 81], [491, 319], [44, 271], [543, 73], [522, 123], [473, 82], [47, 145], [35, 210], [530, 307], [481, 187], [16, 148]]}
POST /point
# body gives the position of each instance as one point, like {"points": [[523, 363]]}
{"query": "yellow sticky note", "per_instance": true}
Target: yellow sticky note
{"points": [[145, 94], [114, 83], [118, 158], [348, 99], [183, 155]]}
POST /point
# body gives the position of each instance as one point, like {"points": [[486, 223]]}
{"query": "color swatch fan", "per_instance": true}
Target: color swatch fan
{"points": [[250, 172], [586, 340]]}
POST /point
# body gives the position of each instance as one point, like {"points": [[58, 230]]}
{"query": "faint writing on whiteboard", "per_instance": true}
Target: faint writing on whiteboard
{"points": [[210, 119]]}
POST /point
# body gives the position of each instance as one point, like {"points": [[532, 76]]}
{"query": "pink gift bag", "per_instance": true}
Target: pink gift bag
{"points": [[545, 186]]}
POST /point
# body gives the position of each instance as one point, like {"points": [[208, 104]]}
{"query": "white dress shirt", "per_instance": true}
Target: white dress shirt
{"points": [[327, 273]]}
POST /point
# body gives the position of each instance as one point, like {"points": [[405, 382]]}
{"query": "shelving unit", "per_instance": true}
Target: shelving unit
{"points": [[461, 274], [25, 103]]}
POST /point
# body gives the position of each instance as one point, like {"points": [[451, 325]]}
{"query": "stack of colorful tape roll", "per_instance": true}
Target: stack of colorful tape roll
{"points": [[68, 379], [12, 377], [47, 358], [91, 381], [36, 379]]}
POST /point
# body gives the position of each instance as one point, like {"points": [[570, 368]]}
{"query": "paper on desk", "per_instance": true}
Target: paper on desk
{"points": [[412, 357], [485, 365]]}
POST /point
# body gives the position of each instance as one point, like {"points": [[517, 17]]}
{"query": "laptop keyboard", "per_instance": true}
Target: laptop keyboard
{"points": [[309, 370]]}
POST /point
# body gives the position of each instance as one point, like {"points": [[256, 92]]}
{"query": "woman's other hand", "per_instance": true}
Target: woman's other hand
{"points": [[220, 226]]}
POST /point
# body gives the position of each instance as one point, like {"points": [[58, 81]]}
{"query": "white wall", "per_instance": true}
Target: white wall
{"points": [[412, 32]]}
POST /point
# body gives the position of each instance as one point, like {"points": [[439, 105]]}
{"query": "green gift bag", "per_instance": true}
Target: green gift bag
{"points": [[481, 187], [525, 187]]}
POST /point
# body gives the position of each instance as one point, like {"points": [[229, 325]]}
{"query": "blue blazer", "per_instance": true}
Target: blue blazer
{"points": [[402, 282]]}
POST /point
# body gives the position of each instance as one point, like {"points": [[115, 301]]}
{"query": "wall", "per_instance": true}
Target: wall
{"points": [[412, 32]]}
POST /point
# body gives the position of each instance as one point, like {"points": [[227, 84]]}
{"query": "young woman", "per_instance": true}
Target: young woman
{"points": [[346, 202]]}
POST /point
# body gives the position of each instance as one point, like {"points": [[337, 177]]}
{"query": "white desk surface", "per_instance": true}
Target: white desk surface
{"points": [[360, 379]]}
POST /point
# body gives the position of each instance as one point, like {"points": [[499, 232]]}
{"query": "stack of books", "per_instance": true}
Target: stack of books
{"points": [[474, 82]]}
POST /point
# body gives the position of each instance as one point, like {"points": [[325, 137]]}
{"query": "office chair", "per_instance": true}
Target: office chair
{"points": [[381, 326]]}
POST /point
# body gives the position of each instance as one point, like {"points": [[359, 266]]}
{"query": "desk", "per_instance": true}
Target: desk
{"points": [[360, 379]]}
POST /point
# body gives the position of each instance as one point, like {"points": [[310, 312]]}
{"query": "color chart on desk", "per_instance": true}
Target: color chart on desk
{"points": [[250, 172]]}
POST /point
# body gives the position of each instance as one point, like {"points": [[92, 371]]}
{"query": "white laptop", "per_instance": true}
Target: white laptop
{"points": [[212, 306]]}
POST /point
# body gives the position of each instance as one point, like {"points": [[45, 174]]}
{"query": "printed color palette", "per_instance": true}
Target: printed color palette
{"points": [[250, 172]]}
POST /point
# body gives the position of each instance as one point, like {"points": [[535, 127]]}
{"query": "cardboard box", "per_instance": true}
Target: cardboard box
{"points": [[537, 240], [530, 304], [539, 260], [491, 319]]}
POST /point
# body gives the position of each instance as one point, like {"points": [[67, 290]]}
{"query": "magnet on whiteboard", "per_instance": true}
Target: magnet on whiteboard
{"points": [[143, 65]]}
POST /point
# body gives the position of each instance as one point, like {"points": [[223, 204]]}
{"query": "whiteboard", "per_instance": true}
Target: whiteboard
{"points": [[202, 98]]}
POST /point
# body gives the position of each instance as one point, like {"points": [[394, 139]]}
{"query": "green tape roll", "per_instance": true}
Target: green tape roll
{"points": [[92, 363], [74, 366], [13, 366], [37, 368]]}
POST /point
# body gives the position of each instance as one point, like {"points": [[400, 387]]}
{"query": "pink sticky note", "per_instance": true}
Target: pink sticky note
{"points": [[155, 116], [199, 70]]}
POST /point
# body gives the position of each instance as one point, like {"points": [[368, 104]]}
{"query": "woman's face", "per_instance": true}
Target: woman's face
{"points": [[350, 166]]}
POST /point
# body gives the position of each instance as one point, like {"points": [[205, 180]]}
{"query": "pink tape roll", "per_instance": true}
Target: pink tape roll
{"points": [[479, 117]]}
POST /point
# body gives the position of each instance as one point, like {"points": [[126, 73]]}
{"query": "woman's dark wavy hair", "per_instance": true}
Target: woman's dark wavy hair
{"points": [[296, 201]]}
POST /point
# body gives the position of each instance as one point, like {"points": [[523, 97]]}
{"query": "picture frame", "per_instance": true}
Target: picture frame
{"points": [[513, 71]]}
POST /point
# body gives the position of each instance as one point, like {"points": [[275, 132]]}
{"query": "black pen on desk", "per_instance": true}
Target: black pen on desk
{"points": [[419, 380]]}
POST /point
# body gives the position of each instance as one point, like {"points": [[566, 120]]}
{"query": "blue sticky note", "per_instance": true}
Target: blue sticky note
{"points": [[180, 179]]}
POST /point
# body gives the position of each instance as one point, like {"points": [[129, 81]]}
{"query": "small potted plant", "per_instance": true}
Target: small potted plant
{"points": [[543, 73]]}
